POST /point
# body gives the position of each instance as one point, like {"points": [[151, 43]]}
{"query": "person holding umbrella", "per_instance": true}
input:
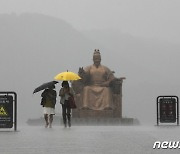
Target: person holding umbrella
{"points": [[65, 92], [48, 102]]}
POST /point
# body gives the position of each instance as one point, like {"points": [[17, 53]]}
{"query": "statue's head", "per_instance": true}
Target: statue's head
{"points": [[97, 57]]}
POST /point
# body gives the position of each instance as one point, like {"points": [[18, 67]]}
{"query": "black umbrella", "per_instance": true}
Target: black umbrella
{"points": [[44, 86]]}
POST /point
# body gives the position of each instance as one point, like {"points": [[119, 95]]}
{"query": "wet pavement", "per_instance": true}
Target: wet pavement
{"points": [[87, 140]]}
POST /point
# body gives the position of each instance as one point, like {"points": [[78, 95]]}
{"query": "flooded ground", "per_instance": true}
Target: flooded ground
{"points": [[87, 139]]}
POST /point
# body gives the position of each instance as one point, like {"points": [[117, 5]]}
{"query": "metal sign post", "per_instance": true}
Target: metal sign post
{"points": [[167, 109], [8, 110]]}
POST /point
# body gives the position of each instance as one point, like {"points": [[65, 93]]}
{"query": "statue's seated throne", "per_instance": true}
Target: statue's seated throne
{"points": [[116, 112]]}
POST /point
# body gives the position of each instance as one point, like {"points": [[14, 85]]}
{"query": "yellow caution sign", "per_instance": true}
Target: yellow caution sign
{"points": [[3, 111]]}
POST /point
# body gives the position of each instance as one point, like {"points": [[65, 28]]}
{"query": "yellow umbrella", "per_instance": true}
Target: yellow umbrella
{"points": [[67, 76]]}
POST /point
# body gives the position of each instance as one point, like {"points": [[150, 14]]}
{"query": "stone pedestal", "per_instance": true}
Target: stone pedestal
{"points": [[92, 113], [106, 121]]}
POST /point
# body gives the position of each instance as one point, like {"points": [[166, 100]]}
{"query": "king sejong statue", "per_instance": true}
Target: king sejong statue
{"points": [[96, 94]]}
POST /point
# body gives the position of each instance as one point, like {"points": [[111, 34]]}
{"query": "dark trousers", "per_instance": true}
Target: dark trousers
{"points": [[66, 112]]}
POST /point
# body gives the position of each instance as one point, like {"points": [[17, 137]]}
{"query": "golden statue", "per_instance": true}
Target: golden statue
{"points": [[97, 94], [98, 90]]}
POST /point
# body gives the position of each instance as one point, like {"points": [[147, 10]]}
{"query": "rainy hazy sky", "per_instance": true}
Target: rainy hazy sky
{"points": [[159, 19], [152, 19]]}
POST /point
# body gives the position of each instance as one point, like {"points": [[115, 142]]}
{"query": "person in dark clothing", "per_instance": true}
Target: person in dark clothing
{"points": [[48, 102], [65, 92]]}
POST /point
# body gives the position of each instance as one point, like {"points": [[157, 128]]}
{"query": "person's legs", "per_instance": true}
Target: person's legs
{"points": [[50, 120], [69, 114], [64, 114], [46, 120]]}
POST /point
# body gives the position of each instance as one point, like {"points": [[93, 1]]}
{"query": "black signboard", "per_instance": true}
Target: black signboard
{"points": [[6, 111], [167, 109]]}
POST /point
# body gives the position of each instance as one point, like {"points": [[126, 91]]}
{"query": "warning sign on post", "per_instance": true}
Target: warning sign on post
{"points": [[6, 111], [2, 111]]}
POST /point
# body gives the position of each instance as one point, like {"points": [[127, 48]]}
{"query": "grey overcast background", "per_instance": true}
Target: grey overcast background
{"points": [[138, 39]]}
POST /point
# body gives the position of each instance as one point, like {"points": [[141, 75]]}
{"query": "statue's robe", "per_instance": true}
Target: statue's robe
{"points": [[95, 96]]}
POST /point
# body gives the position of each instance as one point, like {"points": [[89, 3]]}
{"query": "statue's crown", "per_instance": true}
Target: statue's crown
{"points": [[96, 52]]}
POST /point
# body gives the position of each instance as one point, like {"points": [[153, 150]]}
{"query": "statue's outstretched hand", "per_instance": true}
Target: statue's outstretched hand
{"points": [[122, 78]]}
